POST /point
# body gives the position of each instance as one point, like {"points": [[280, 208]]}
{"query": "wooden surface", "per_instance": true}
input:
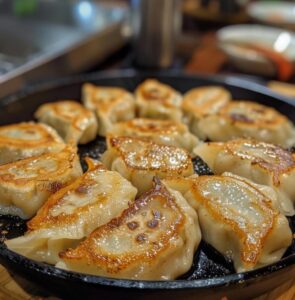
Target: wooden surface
{"points": [[286, 89], [11, 290]]}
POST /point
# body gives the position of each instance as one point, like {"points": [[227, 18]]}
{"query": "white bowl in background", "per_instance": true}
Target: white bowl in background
{"points": [[251, 61], [279, 13]]}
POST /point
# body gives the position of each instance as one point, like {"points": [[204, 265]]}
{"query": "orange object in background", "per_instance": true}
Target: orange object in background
{"points": [[283, 65], [207, 58]]}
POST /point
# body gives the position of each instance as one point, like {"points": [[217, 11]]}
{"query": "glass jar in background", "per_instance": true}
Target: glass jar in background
{"points": [[156, 26]]}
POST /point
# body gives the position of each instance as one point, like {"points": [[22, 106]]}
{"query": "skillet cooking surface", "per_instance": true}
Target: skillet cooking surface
{"points": [[209, 270]]}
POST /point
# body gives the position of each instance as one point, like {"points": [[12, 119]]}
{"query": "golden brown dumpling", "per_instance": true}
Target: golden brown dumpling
{"points": [[157, 100], [139, 160], [73, 122], [73, 213], [203, 101], [154, 239], [167, 132], [260, 162], [245, 119], [238, 218], [111, 105], [26, 184], [29, 139]]}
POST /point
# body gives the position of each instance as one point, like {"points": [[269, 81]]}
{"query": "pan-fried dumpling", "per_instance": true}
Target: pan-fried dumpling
{"points": [[111, 105], [258, 161], [203, 101], [158, 101], [70, 119], [239, 219], [26, 184], [154, 239], [139, 160], [167, 132], [74, 212], [23, 140], [245, 119]]}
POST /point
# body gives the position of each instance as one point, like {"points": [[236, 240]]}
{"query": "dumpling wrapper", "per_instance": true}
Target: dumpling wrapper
{"points": [[74, 123], [27, 139], [245, 119], [26, 184], [154, 239], [139, 160], [73, 213], [158, 101], [238, 218], [110, 104], [260, 162], [166, 132], [203, 101]]}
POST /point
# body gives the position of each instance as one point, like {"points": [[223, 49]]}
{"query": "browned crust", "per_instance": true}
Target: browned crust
{"points": [[64, 159], [250, 252], [48, 137], [59, 110], [117, 96], [151, 151], [158, 91], [285, 160], [150, 126], [253, 115], [44, 219], [87, 250], [189, 100]]}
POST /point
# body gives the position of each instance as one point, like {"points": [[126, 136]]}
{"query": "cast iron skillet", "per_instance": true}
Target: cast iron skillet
{"points": [[211, 276]]}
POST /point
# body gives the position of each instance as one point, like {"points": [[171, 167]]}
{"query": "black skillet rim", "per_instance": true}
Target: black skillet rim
{"points": [[238, 278]]}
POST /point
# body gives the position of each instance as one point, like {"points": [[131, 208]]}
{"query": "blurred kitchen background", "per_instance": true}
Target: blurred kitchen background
{"points": [[47, 39]]}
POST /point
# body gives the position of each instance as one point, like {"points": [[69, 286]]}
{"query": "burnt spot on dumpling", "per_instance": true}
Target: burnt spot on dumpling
{"points": [[141, 238], [152, 223], [54, 186], [83, 189], [239, 117], [157, 214], [132, 225]]}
